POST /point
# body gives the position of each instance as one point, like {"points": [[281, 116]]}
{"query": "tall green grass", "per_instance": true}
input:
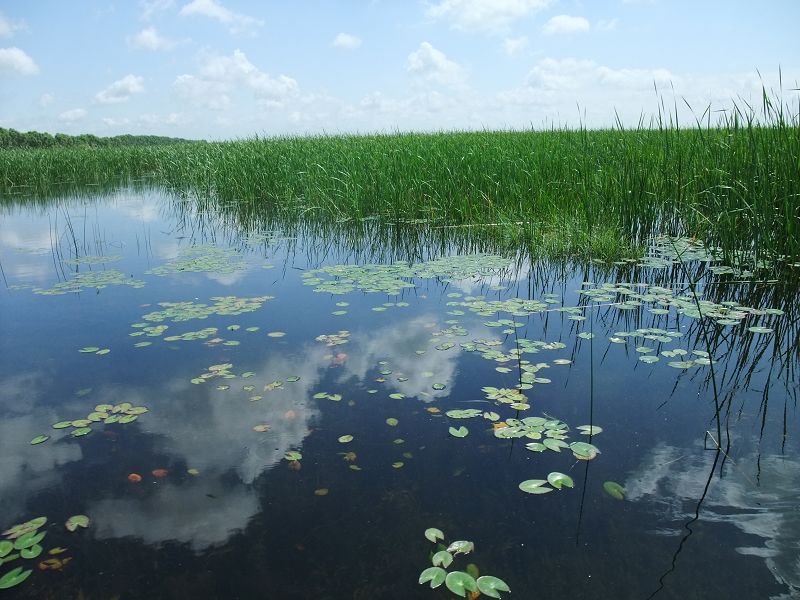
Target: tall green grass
{"points": [[734, 183]]}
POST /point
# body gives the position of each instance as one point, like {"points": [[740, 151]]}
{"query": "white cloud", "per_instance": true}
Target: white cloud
{"points": [[46, 100], [121, 90], [346, 41], [566, 24], [222, 75], [513, 46], [607, 24], [236, 22], [203, 93], [574, 74], [71, 116], [485, 15], [150, 39], [14, 60], [432, 65], [151, 7], [8, 27]]}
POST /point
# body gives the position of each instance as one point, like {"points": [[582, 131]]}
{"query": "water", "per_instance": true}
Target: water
{"points": [[226, 515]]}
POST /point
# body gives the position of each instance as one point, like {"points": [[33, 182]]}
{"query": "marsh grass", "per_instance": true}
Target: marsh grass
{"points": [[733, 181]]}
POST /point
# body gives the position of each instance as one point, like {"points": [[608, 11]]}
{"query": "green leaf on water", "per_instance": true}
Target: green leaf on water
{"points": [[492, 586], [436, 575], [760, 329], [589, 429], [432, 534], [6, 547], [32, 552], [442, 559], [398, 465], [535, 486], [614, 490], [13, 577], [103, 351], [392, 422], [39, 439], [459, 433], [89, 349], [76, 521], [62, 425], [26, 540], [649, 359], [345, 439], [438, 386], [397, 396], [81, 431], [293, 455], [292, 378], [276, 334], [584, 450], [461, 547], [460, 583], [555, 445], [557, 480]]}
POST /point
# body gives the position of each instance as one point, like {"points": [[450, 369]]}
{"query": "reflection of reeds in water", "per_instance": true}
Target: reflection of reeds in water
{"points": [[733, 182]]}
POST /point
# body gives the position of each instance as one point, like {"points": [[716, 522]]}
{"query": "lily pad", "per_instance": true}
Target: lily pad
{"points": [[436, 576], [6, 547], [614, 490], [442, 559], [460, 583], [492, 586], [584, 450], [459, 433], [32, 552], [345, 439], [39, 439], [438, 386], [293, 455], [89, 349], [392, 422], [534, 486], [76, 521], [461, 547], [29, 539], [589, 429], [557, 480], [432, 534], [14, 577]]}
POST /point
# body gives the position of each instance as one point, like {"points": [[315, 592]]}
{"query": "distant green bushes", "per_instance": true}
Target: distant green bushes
{"points": [[13, 139]]}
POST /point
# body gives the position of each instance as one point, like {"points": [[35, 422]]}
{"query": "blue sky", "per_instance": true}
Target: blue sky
{"points": [[231, 68]]}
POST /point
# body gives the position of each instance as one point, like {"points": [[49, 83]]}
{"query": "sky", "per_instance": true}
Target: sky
{"points": [[224, 69]]}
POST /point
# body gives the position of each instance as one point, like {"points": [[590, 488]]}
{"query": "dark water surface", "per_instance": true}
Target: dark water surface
{"points": [[220, 512]]}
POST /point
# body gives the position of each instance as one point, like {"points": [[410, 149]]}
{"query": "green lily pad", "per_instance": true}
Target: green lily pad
{"points": [[398, 465], [432, 534], [557, 480], [39, 439], [81, 431], [6, 547], [29, 539], [292, 378], [89, 349], [534, 486], [438, 386], [397, 396], [554, 444], [589, 429], [442, 559], [459, 433], [103, 351], [32, 552], [62, 425], [460, 583], [436, 576], [13, 577], [461, 547], [614, 490], [392, 422], [584, 450], [345, 439], [492, 586], [76, 521], [760, 329], [293, 455]]}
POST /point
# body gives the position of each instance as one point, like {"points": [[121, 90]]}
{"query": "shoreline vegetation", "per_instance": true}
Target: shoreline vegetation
{"points": [[733, 182]]}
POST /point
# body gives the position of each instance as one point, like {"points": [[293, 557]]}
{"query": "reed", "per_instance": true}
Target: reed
{"points": [[734, 182]]}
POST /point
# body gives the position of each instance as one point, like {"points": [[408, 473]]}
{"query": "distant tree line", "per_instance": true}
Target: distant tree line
{"points": [[11, 138]]}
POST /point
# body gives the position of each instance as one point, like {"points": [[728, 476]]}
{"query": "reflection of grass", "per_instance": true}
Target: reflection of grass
{"points": [[734, 183]]}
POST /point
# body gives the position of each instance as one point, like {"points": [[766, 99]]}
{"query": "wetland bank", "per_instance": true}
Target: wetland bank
{"points": [[533, 364]]}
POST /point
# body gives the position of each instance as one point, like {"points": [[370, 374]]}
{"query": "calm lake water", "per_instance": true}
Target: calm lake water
{"points": [[255, 360]]}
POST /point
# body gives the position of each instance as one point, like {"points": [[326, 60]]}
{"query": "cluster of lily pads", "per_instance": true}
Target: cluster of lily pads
{"points": [[458, 582], [91, 260], [222, 371], [202, 259], [334, 339], [223, 305], [392, 279], [122, 413], [24, 542], [89, 280]]}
